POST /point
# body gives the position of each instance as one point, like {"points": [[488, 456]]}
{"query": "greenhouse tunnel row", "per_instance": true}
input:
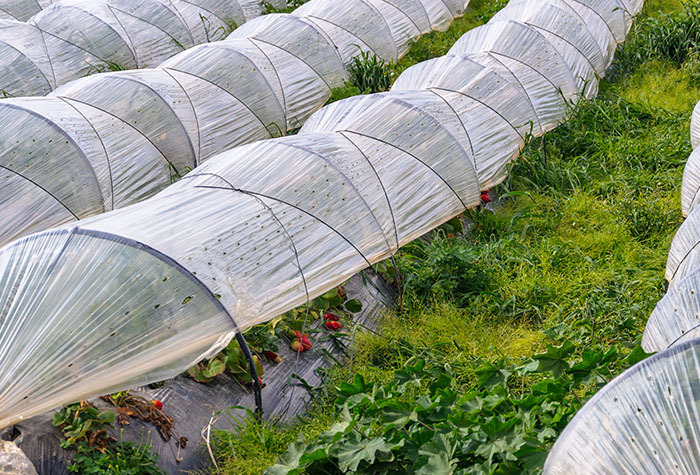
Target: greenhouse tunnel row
{"points": [[112, 139], [70, 39], [23, 10], [141, 293]]}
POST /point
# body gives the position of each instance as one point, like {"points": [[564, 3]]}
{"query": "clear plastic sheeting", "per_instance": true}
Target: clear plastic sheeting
{"points": [[568, 34], [690, 188], [112, 351], [612, 12], [584, 13], [676, 317], [210, 20], [533, 60], [150, 101], [278, 34], [643, 421], [684, 254], [70, 39], [113, 34], [69, 168], [21, 10], [262, 81], [441, 13], [27, 69], [491, 111], [257, 230], [352, 25], [255, 8], [695, 126]]}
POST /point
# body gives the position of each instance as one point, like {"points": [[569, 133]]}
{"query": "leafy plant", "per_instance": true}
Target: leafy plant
{"points": [[369, 73], [417, 423], [672, 37], [231, 359], [85, 428], [83, 422], [124, 458], [442, 268], [691, 67]]}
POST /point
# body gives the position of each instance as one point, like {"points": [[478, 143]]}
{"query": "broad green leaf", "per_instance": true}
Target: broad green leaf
{"points": [[637, 355], [439, 455], [289, 462], [355, 449], [554, 359], [491, 375], [353, 306], [215, 367]]}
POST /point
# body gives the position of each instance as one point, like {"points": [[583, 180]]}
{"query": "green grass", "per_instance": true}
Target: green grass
{"points": [[576, 250]]}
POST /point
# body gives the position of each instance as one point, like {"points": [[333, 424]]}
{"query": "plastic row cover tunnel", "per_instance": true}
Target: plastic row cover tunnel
{"points": [[23, 10], [112, 139], [140, 293], [676, 317], [644, 421], [70, 39]]}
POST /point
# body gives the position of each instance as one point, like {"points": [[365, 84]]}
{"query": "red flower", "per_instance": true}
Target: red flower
{"points": [[157, 404], [330, 316], [333, 325], [485, 198]]}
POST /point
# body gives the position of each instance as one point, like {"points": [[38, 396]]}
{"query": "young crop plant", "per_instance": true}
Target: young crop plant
{"points": [[370, 74], [420, 423], [84, 428]]}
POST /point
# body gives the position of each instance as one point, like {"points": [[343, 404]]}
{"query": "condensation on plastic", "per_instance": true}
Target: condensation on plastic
{"points": [[643, 421], [533, 60], [70, 39], [265, 79], [257, 230]]}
